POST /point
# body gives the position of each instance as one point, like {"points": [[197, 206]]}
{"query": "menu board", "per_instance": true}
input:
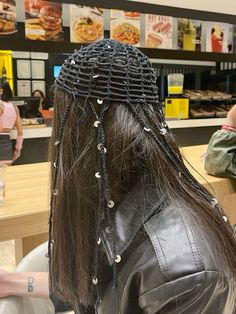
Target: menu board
{"points": [[86, 24], [217, 37], [189, 34], [125, 27], [43, 20], [158, 31], [8, 21], [24, 88]]}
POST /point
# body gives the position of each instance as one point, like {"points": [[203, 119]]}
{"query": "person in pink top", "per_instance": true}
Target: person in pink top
{"points": [[9, 118]]}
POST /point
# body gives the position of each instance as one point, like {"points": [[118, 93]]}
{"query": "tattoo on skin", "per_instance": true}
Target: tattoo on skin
{"points": [[30, 286]]}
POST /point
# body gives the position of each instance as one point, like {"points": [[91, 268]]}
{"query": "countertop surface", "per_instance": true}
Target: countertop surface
{"points": [[42, 131], [26, 207]]}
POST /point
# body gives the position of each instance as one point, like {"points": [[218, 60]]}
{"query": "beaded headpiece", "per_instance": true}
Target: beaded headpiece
{"points": [[111, 72]]}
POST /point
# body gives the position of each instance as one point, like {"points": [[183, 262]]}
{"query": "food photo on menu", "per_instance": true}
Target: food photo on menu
{"points": [[158, 31], [43, 20], [86, 24], [217, 37], [8, 20], [125, 27], [189, 34]]}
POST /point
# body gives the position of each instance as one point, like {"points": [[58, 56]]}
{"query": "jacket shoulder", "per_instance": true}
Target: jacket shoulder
{"points": [[181, 247]]}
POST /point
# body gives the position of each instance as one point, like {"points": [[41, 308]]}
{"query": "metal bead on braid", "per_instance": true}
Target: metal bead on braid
{"points": [[225, 218], [97, 175], [163, 131], [96, 124], [100, 101], [118, 259], [101, 147], [55, 192], [214, 202], [110, 204]]}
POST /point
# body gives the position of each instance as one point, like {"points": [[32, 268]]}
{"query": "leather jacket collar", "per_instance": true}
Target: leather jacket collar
{"points": [[128, 217]]}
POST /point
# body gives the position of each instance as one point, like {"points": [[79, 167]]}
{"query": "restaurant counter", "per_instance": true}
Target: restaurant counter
{"points": [[35, 144], [24, 214], [187, 133]]}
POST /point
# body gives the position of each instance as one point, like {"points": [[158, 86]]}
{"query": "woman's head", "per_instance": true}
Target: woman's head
{"points": [[109, 132], [40, 94], [5, 91]]}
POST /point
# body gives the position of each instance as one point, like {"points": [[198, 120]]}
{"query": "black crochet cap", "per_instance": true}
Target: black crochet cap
{"points": [[109, 70]]}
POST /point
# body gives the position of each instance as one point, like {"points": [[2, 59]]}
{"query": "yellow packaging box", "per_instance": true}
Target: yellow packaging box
{"points": [[6, 59], [176, 108]]}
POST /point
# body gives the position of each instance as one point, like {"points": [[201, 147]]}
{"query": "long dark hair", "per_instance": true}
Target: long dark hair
{"points": [[7, 92], [131, 152]]}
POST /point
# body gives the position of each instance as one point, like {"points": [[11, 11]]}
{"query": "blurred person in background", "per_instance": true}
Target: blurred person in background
{"points": [[9, 118], [221, 152], [43, 105]]}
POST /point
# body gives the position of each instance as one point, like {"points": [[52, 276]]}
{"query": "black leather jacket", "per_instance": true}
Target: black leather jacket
{"points": [[169, 264]]}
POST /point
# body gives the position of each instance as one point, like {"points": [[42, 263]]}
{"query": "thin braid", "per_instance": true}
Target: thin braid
{"points": [[104, 192], [108, 199], [178, 156], [54, 181], [176, 161]]}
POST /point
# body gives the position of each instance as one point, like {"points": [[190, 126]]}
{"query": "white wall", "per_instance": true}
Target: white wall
{"points": [[219, 6]]}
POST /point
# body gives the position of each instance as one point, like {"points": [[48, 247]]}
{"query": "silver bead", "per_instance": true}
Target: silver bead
{"points": [[96, 124], [95, 281], [163, 131], [99, 241], [118, 259], [57, 142], [72, 61], [108, 46], [101, 147], [100, 101], [214, 202], [110, 204], [180, 175], [51, 244], [55, 192], [225, 218], [95, 76], [108, 230], [147, 129], [97, 175], [54, 165]]}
